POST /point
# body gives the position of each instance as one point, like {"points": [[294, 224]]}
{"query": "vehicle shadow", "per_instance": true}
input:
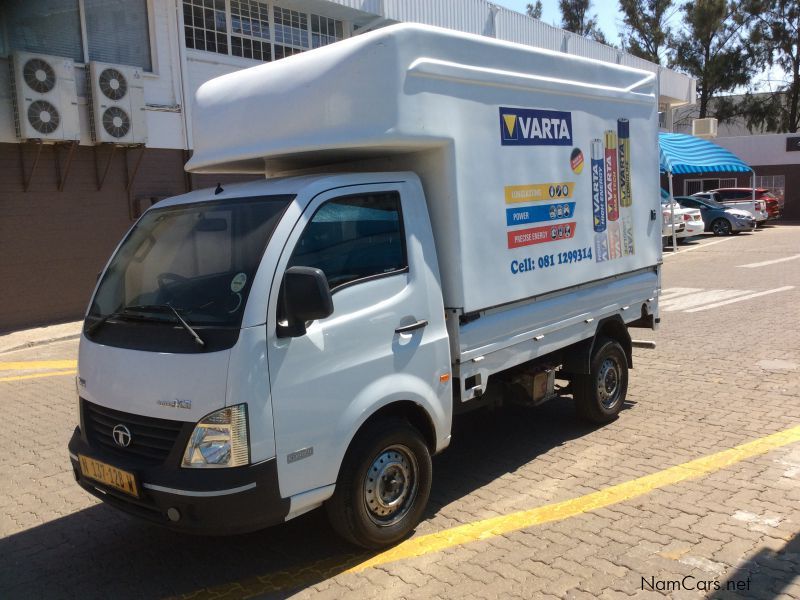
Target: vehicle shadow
{"points": [[766, 574], [98, 551]]}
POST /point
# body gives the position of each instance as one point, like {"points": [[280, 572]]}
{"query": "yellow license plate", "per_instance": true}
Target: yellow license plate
{"points": [[111, 476]]}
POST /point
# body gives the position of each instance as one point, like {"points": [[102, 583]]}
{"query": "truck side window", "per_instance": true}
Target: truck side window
{"points": [[354, 238]]}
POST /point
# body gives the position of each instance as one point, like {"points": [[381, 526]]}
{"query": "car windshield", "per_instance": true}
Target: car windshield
{"points": [[198, 259]]}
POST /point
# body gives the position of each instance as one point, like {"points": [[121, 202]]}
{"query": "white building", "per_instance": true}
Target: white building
{"points": [[66, 204]]}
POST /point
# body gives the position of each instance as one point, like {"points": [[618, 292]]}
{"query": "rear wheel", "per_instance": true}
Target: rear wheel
{"points": [[721, 227], [600, 394], [383, 485]]}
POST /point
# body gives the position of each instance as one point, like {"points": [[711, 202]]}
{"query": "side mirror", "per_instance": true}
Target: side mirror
{"points": [[304, 296]]}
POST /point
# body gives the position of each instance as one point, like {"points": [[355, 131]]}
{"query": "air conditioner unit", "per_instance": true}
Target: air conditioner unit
{"points": [[45, 97], [704, 128], [117, 104]]}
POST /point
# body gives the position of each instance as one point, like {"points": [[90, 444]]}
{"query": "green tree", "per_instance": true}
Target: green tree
{"points": [[535, 10], [575, 18], [646, 30], [774, 43], [711, 48]]}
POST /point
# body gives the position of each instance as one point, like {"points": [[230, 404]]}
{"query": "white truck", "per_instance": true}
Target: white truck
{"points": [[446, 221]]}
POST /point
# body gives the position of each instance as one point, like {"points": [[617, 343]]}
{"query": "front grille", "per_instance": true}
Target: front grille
{"points": [[151, 439]]}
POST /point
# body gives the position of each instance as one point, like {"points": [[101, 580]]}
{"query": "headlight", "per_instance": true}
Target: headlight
{"points": [[219, 440]]}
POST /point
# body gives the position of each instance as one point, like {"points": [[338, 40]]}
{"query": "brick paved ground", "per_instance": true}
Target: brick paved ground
{"points": [[719, 378]]}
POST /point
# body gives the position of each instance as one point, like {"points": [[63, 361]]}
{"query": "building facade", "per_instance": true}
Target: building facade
{"points": [[775, 158], [66, 201]]}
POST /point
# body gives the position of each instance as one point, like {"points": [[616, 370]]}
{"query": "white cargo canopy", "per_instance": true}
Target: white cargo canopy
{"points": [[498, 133]]}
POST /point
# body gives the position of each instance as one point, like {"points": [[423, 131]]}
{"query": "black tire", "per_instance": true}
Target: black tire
{"points": [[355, 509], [610, 369], [721, 226]]}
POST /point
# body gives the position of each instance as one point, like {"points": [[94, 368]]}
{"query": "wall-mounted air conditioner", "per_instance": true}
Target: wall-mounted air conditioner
{"points": [[117, 104], [45, 97], [704, 128]]}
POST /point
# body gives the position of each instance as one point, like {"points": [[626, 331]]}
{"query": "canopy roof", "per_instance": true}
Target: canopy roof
{"points": [[681, 153]]}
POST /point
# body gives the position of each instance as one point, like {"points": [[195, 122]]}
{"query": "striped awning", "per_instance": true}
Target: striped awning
{"points": [[681, 153]]}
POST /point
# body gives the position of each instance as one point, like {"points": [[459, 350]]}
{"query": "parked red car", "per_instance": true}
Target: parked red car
{"points": [[773, 202]]}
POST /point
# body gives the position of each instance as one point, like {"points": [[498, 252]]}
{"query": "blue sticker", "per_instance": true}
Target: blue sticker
{"points": [[543, 212]]}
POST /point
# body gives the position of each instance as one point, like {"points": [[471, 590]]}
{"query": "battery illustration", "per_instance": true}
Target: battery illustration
{"points": [[614, 240], [627, 235], [612, 191], [598, 186], [624, 161], [601, 247]]}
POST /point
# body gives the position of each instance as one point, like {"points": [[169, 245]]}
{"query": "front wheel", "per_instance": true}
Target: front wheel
{"points": [[383, 485], [599, 395], [721, 227]]}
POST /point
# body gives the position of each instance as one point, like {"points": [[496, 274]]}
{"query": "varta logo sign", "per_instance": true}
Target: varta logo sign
{"points": [[531, 127]]}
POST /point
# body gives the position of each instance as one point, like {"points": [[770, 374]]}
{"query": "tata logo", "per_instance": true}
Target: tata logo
{"points": [[532, 127], [121, 435]]}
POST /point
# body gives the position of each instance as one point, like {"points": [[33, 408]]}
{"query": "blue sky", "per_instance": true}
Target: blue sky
{"points": [[609, 19], [608, 15]]}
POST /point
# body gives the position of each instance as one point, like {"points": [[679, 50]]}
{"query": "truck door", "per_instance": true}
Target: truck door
{"points": [[386, 339]]}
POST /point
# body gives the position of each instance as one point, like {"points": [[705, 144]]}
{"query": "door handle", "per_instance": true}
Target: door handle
{"points": [[413, 327]]}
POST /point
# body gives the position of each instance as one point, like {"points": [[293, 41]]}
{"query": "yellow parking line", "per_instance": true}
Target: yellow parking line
{"points": [[38, 364], [38, 375], [569, 508], [489, 528]]}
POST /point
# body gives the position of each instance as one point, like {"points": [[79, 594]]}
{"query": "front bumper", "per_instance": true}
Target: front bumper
{"points": [[740, 225], [208, 501]]}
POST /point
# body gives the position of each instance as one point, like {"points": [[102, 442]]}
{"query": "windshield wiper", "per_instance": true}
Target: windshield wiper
{"points": [[140, 308], [119, 314], [186, 326], [167, 308]]}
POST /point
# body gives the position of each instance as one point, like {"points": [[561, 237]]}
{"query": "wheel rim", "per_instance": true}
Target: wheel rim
{"points": [[721, 227], [609, 383], [390, 485]]}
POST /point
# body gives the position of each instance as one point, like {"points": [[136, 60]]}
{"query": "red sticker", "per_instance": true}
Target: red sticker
{"points": [[540, 235]]}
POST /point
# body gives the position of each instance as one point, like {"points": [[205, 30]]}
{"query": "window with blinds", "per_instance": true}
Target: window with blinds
{"points": [[45, 26], [117, 31]]}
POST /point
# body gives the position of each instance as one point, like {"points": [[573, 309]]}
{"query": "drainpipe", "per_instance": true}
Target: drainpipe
{"points": [[183, 72]]}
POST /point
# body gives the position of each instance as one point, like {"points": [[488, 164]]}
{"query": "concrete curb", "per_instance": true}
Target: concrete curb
{"points": [[39, 336]]}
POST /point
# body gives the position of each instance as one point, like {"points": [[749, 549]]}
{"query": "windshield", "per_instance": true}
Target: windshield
{"points": [[198, 259]]}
